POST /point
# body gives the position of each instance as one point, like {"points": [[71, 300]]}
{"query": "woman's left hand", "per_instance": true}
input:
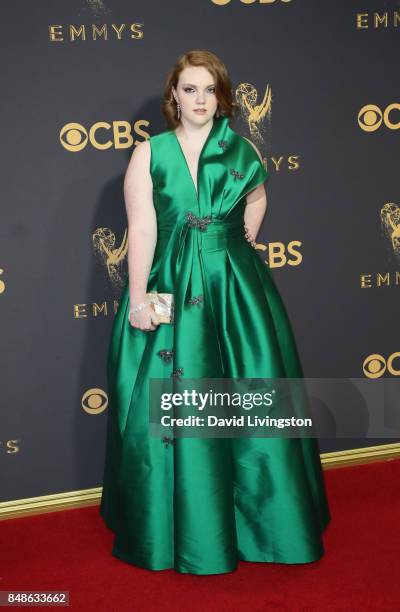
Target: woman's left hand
{"points": [[249, 237]]}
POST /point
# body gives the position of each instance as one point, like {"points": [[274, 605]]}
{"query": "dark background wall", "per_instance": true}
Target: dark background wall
{"points": [[63, 216]]}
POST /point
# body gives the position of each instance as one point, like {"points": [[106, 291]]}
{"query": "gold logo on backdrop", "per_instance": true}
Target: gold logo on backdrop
{"points": [[93, 32], [246, 97], [381, 279], [97, 7], [365, 21], [376, 365], [102, 135], [371, 117], [110, 255], [104, 308], [11, 447], [390, 227], [224, 2], [2, 283], [390, 223], [94, 401], [279, 254]]}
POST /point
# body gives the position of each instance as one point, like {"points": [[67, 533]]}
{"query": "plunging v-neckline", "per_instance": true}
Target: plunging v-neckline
{"points": [[195, 186]]}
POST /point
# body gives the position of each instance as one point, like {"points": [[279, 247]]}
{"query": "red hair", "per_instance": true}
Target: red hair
{"points": [[223, 84]]}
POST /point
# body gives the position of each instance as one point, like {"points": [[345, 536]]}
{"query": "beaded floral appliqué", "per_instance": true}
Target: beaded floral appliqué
{"points": [[236, 174], [200, 222], [166, 355], [196, 299], [177, 373]]}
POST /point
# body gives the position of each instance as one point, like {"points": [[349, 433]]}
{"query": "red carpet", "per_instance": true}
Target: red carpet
{"points": [[70, 551]]}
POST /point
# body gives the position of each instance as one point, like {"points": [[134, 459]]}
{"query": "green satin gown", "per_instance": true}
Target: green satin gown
{"points": [[199, 505]]}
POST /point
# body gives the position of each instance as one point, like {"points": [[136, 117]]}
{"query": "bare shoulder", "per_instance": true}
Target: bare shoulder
{"points": [[138, 182], [139, 162], [254, 147], [141, 151]]}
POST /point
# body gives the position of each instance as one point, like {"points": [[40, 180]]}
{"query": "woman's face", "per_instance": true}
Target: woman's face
{"points": [[195, 93]]}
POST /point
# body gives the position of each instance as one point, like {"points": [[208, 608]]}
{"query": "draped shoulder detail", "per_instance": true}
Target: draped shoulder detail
{"points": [[257, 173], [228, 169]]}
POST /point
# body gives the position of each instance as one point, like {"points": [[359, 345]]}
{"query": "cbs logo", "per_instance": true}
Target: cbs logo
{"points": [[371, 117], [278, 253], [376, 365], [94, 401], [101, 135], [223, 2]]}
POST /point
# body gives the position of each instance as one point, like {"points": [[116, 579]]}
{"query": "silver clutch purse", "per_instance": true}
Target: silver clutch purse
{"points": [[163, 305]]}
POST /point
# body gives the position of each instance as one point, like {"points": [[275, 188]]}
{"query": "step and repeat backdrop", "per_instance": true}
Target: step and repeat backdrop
{"points": [[317, 91]]}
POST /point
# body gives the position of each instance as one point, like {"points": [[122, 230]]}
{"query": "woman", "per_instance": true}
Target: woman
{"points": [[195, 201]]}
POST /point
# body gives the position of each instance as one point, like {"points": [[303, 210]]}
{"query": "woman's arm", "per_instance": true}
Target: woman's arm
{"points": [[256, 206], [142, 229]]}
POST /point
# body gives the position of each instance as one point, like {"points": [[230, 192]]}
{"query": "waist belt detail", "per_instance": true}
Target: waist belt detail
{"points": [[207, 225], [212, 233]]}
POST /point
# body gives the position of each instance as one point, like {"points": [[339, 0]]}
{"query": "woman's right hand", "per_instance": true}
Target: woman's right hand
{"points": [[146, 319]]}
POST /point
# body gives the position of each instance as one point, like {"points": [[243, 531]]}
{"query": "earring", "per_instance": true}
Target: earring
{"points": [[178, 108]]}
